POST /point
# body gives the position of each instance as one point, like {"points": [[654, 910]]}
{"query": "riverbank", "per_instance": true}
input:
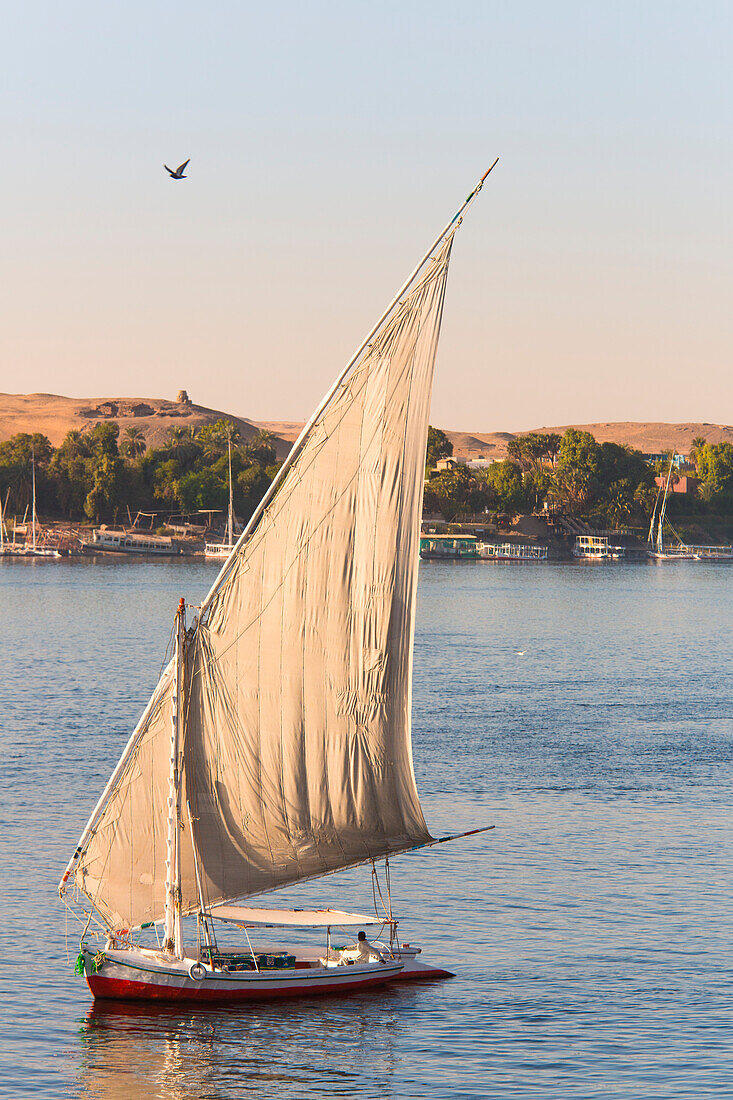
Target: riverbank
{"points": [[557, 536], [75, 539]]}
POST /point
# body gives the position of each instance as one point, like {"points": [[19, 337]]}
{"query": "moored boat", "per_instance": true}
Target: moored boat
{"points": [[107, 540], [449, 547], [596, 548], [511, 551], [656, 548], [660, 551], [36, 548]]}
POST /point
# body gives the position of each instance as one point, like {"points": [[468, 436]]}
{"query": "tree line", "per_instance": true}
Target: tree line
{"points": [[98, 472], [607, 483]]}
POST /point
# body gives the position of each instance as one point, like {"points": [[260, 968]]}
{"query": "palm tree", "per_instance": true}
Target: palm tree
{"points": [[261, 448], [133, 444], [215, 438], [180, 439], [696, 447]]}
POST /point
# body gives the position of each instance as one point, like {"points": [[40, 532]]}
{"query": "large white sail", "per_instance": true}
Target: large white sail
{"points": [[297, 687]]}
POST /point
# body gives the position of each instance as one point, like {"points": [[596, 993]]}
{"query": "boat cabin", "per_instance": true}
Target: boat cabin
{"points": [[448, 546]]}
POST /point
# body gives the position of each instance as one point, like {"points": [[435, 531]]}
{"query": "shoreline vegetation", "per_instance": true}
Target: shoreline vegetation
{"points": [[547, 483], [602, 487]]}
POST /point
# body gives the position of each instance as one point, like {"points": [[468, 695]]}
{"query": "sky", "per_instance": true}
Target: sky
{"points": [[329, 144]]}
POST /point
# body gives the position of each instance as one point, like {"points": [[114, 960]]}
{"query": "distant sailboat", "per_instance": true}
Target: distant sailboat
{"points": [[4, 547], [276, 747], [222, 550], [655, 539], [34, 550]]}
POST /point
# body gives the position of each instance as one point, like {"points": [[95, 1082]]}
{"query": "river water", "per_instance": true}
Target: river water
{"points": [[583, 710]]}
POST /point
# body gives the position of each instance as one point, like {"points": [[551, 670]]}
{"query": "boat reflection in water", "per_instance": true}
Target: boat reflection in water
{"points": [[144, 1052]]}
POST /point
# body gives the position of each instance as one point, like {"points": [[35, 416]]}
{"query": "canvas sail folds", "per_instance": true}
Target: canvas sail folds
{"points": [[297, 749], [121, 868]]}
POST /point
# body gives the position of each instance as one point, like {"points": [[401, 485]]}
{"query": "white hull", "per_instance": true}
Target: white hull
{"points": [[29, 552], [219, 550], [683, 556], [121, 542], [149, 975], [511, 557]]}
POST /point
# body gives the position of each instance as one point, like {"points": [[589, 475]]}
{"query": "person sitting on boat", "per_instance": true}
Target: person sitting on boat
{"points": [[362, 951]]}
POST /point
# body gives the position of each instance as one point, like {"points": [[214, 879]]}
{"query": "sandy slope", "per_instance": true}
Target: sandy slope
{"points": [[54, 416], [648, 437]]}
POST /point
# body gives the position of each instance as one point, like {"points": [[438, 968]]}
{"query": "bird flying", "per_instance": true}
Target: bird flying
{"points": [[178, 174]]}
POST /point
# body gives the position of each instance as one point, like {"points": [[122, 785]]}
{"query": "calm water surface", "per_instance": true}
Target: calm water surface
{"points": [[586, 711]]}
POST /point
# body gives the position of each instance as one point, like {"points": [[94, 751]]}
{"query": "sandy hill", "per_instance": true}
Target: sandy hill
{"points": [[648, 437], [283, 429], [54, 416]]}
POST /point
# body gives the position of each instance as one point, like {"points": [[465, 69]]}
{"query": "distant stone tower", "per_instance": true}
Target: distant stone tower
{"points": [[183, 398]]}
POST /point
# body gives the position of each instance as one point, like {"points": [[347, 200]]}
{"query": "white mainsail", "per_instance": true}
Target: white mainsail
{"points": [[298, 755], [296, 748]]}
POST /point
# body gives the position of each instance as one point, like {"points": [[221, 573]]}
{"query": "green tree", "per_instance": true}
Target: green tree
{"points": [[506, 485], [71, 472], [133, 444], [715, 469], [448, 493], [102, 439], [166, 476], [106, 493], [577, 470], [202, 489], [534, 451], [249, 487], [696, 447], [214, 438], [16, 469], [439, 446], [261, 448]]}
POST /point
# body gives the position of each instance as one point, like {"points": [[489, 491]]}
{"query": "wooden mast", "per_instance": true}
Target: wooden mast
{"points": [[172, 941], [33, 461], [230, 528]]}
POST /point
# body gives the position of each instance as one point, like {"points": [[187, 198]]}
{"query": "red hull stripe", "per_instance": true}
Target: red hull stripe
{"points": [[122, 989]]}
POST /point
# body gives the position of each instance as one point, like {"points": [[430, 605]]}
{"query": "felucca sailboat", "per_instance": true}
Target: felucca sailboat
{"points": [[276, 747], [222, 550], [679, 551], [32, 550], [655, 540]]}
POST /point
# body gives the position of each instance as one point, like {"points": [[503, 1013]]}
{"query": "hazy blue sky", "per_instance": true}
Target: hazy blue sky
{"points": [[329, 143]]}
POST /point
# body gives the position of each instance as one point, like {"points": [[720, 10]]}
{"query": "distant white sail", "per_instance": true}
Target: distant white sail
{"points": [[297, 754]]}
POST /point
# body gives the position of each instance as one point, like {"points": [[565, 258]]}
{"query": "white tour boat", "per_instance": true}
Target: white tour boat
{"points": [[597, 548], [107, 540], [276, 746], [511, 551]]}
